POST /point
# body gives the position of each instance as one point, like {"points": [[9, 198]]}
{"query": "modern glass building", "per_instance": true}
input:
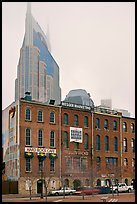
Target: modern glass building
{"points": [[37, 70]]}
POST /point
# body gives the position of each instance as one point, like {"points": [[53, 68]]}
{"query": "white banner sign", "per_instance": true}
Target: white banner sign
{"points": [[75, 134], [42, 150]]}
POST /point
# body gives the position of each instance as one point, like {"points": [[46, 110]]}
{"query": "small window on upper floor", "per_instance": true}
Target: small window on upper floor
{"points": [[125, 144], [52, 117], [28, 114], [133, 144], [97, 123], [132, 128], [75, 120], [114, 125], [40, 116], [85, 121], [106, 124], [124, 127], [65, 121], [125, 162]]}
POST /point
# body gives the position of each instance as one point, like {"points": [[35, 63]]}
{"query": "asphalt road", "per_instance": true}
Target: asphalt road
{"points": [[122, 197]]}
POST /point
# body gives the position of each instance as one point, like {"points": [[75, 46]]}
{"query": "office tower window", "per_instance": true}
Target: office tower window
{"points": [[28, 164], [52, 164], [28, 114], [97, 142], [132, 128], [125, 162], [65, 118], [28, 136], [86, 141], [106, 124], [66, 140], [115, 125], [40, 116], [106, 143], [125, 144], [85, 121], [75, 120], [124, 127], [97, 123], [52, 117], [133, 144], [52, 139], [40, 137], [115, 144]]}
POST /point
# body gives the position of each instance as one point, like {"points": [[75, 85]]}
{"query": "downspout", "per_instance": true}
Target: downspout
{"points": [[60, 155], [121, 147], [92, 146]]}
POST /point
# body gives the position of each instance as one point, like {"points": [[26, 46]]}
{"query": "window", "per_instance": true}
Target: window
{"points": [[52, 117], [28, 135], [84, 164], [86, 141], [97, 123], [125, 162], [76, 145], [98, 163], [132, 128], [75, 120], [41, 165], [85, 121], [97, 142], [28, 114], [40, 116], [133, 163], [65, 118], [106, 143], [133, 144], [68, 164], [125, 144], [115, 125], [52, 139], [106, 124], [52, 165], [115, 144], [40, 138], [124, 127], [28, 164], [66, 139]]}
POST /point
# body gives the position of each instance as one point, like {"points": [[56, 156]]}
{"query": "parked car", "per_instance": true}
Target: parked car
{"points": [[87, 191], [104, 189], [62, 191], [122, 187]]}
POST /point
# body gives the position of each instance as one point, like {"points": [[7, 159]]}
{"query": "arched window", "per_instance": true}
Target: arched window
{"points": [[66, 140], [97, 142], [132, 128], [40, 116], [133, 144], [65, 118], [86, 141], [106, 124], [40, 137], [115, 125], [115, 144], [106, 143], [133, 162], [28, 136], [98, 182], [28, 114], [125, 162], [98, 163], [52, 139], [85, 121], [125, 144], [52, 117], [97, 123], [124, 127], [75, 120]]}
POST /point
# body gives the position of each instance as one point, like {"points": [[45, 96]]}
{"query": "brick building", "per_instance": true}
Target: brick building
{"points": [[68, 145]]}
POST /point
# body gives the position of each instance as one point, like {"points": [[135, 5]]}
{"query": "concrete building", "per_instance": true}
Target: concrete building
{"points": [[70, 144]]}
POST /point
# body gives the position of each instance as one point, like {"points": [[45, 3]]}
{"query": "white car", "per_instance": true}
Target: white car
{"points": [[122, 187], [62, 191]]}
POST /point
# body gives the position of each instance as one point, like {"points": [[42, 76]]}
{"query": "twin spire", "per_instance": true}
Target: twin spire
{"points": [[29, 7]]}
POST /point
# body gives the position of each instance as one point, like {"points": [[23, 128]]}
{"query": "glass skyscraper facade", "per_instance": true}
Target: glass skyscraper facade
{"points": [[37, 71]]}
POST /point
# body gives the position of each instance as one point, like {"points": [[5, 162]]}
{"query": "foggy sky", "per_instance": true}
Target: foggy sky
{"points": [[92, 42]]}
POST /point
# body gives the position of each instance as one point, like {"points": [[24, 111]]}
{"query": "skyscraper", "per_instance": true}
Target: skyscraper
{"points": [[37, 71]]}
